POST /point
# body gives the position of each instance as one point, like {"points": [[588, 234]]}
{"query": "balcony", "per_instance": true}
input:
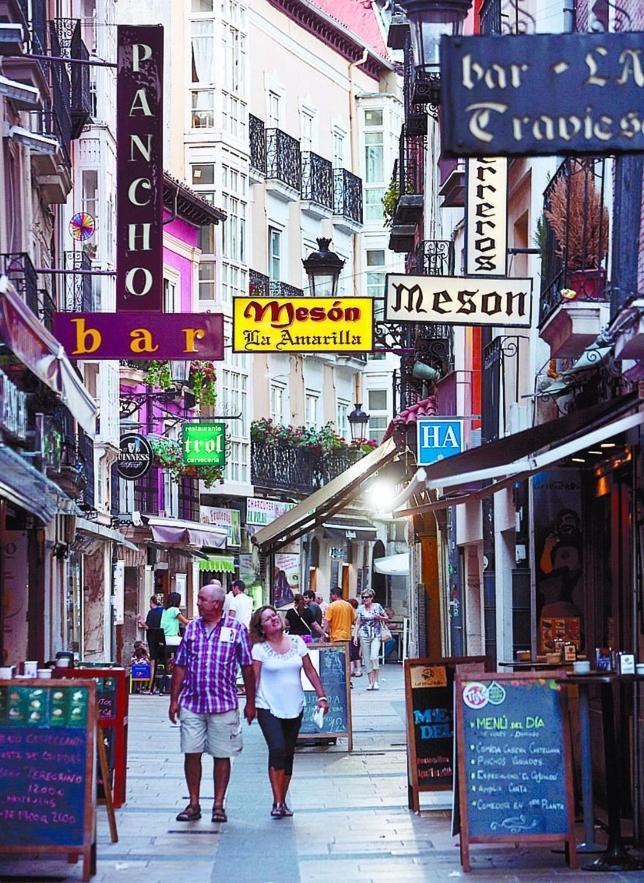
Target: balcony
{"points": [[72, 471], [29, 71], [295, 470], [259, 285], [76, 294], [68, 38], [452, 182], [415, 113], [86, 500], [433, 257], [22, 275], [283, 165], [411, 181], [257, 139], [573, 237], [317, 186], [347, 201], [490, 18]]}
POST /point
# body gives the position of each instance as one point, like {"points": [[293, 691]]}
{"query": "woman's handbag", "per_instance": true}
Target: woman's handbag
{"points": [[385, 633]]}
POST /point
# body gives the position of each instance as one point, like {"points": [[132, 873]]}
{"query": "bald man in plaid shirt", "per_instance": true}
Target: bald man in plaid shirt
{"points": [[204, 696]]}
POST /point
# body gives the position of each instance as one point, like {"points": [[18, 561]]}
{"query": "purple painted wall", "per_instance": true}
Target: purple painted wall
{"points": [[189, 235]]}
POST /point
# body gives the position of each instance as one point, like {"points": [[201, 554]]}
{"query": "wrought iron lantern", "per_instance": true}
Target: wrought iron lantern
{"points": [[180, 372], [358, 421], [323, 267], [429, 21]]}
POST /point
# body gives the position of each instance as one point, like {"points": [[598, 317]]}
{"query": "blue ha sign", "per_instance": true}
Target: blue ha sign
{"points": [[438, 439]]}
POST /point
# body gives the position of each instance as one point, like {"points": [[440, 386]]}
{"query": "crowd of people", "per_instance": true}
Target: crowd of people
{"points": [[227, 638]]}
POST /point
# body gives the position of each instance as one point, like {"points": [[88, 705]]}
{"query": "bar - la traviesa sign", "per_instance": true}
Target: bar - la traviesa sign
{"points": [[542, 94]]}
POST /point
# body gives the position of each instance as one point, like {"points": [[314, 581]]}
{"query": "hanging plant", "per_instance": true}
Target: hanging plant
{"points": [[168, 456], [390, 201], [204, 382], [158, 374]]}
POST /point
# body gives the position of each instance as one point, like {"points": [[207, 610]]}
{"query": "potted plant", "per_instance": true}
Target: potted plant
{"points": [[579, 221]]}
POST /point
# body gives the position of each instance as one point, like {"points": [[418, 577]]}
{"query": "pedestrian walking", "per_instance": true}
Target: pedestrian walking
{"points": [[354, 649], [153, 617], [204, 696], [319, 600], [240, 605], [301, 621], [313, 606], [278, 660], [339, 617], [368, 631], [171, 618]]}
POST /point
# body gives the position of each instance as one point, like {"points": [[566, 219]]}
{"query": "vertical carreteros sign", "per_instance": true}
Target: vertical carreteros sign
{"points": [[302, 324]]}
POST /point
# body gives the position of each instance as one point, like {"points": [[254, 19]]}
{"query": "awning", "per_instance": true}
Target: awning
{"points": [[171, 532], [325, 502], [538, 447], [107, 533], [218, 564], [393, 565], [30, 489], [517, 457], [352, 529], [38, 349]]}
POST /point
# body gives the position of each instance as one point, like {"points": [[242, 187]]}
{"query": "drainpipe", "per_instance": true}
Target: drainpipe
{"points": [[569, 16], [353, 141]]}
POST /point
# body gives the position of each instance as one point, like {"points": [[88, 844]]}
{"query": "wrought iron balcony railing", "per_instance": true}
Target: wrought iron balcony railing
{"points": [[257, 139], [86, 457], [283, 161], [411, 163], [20, 271], [317, 179], [68, 32], [573, 235], [348, 195], [296, 469], [259, 285], [76, 294], [57, 117], [433, 257]]}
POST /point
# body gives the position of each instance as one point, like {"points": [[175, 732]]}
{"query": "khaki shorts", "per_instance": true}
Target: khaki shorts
{"points": [[370, 653], [216, 734]]}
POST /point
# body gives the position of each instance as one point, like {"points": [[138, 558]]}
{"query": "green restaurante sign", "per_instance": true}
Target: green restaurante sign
{"points": [[204, 444]]}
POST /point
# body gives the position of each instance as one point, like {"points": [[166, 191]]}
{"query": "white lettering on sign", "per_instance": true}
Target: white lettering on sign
{"points": [[486, 216], [458, 300]]}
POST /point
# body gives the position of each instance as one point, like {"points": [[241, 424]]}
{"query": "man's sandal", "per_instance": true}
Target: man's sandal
{"points": [[190, 814], [219, 814]]}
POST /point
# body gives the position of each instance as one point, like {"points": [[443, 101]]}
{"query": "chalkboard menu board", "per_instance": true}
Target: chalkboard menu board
{"points": [[429, 694], [47, 793], [513, 760], [332, 664]]}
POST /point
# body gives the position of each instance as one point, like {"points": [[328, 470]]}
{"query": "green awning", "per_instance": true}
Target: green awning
{"points": [[218, 564]]}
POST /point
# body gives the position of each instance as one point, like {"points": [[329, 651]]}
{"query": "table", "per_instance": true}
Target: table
{"points": [[532, 665], [614, 857]]}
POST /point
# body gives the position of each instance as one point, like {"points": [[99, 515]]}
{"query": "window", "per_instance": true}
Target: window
{"points": [[170, 496], [378, 413], [274, 109], [374, 165], [278, 403], [376, 278], [234, 400], [338, 148], [342, 418], [202, 5], [374, 158], [307, 121], [203, 109], [274, 254], [373, 207], [203, 173], [234, 54], [372, 118], [207, 281], [234, 230], [234, 282], [207, 238], [90, 192], [202, 35], [171, 296], [311, 407]]}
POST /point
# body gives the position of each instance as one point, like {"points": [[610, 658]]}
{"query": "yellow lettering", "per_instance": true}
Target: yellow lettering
{"points": [[83, 335], [141, 341], [192, 335]]}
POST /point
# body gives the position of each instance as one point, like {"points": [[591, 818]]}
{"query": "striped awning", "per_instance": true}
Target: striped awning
{"points": [[217, 564]]}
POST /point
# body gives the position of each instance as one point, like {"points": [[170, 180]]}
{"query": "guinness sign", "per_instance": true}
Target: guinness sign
{"points": [[135, 456]]}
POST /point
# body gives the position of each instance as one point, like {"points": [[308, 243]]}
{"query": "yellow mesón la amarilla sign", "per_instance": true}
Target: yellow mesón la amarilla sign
{"points": [[302, 324]]}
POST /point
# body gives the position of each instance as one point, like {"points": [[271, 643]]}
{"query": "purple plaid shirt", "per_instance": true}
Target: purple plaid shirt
{"points": [[209, 686]]}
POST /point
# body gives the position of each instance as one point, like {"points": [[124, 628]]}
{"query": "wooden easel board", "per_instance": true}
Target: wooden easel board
{"points": [[47, 768], [429, 703], [514, 765], [332, 664]]}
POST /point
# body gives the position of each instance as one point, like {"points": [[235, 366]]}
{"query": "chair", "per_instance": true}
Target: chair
{"points": [[141, 673], [158, 653]]}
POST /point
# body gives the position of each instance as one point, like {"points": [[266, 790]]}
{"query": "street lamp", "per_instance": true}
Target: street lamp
{"points": [[429, 21], [323, 267], [180, 372], [358, 422]]}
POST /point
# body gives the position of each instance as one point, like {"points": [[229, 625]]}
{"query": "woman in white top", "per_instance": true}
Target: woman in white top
{"points": [[368, 628], [279, 696]]}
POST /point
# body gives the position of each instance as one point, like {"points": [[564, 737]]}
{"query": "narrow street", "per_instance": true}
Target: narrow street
{"points": [[351, 819]]}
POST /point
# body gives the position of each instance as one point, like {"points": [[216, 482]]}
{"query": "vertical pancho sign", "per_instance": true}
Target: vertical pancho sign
{"points": [[139, 152]]}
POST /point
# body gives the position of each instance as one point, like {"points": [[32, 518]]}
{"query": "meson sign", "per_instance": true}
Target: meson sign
{"points": [[139, 152]]}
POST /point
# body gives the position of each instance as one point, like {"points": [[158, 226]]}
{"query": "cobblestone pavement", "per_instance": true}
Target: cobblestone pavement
{"points": [[351, 820]]}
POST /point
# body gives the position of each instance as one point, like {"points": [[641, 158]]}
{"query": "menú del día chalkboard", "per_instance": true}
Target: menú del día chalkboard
{"points": [[332, 664], [514, 772], [429, 695], [47, 789]]}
